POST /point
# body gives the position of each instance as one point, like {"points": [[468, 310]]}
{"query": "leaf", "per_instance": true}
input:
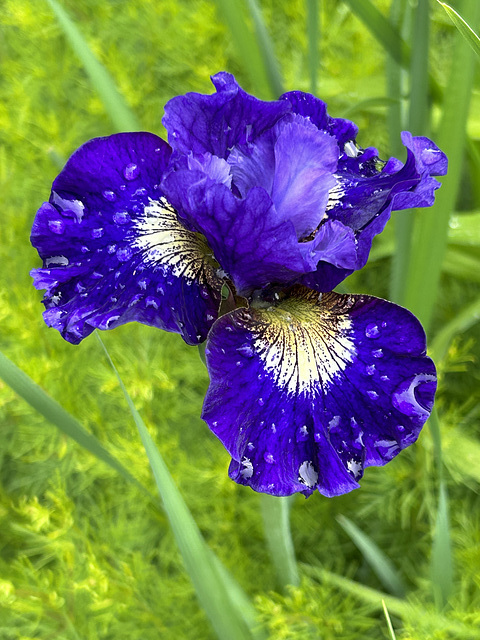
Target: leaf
{"points": [[389, 622], [247, 45], [276, 526], [441, 564], [401, 608], [379, 562], [463, 321], [229, 615], [265, 46], [120, 114], [431, 225], [462, 25], [49, 408]]}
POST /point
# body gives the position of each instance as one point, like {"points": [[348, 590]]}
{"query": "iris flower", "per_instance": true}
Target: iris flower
{"points": [[236, 232]]}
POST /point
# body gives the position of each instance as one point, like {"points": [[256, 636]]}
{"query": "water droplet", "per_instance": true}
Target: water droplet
{"points": [[302, 433], [384, 324], [97, 233], [56, 226], [121, 217], [141, 192], [384, 378], [372, 331], [239, 364], [251, 446], [131, 171], [387, 448], [124, 253], [370, 369], [111, 248], [405, 400], [247, 471], [109, 196], [57, 261], [268, 457], [261, 402], [246, 350], [377, 353], [151, 301], [373, 395], [400, 428], [334, 424], [110, 321], [307, 474], [84, 249]]}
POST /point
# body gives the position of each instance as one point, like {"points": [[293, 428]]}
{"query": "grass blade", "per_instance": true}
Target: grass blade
{"points": [[465, 29], [441, 566], [389, 37], [463, 321], [418, 116], [389, 622], [398, 607], [120, 114], [49, 408], [276, 526], [378, 561], [313, 36], [247, 47], [431, 226], [266, 48], [226, 617]]}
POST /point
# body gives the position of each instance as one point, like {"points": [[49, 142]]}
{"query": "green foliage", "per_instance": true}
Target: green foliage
{"points": [[83, 553]]}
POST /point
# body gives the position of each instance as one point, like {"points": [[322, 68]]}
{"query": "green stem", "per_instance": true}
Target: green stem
{"points": [[276, 523]]}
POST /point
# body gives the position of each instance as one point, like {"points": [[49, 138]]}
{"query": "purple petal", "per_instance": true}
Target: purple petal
{"points": [[201, 123], [114, 250], [308, 106], [308, 392]]}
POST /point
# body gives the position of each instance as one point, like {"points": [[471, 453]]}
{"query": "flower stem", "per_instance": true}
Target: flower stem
{"points": [[276, 523]]}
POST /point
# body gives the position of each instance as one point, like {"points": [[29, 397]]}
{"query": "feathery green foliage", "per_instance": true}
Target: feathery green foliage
{"points": [[85, 554]]}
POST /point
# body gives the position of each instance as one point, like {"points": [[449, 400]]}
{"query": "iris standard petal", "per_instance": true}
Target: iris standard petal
{"points": [[215, 123], [307, 392], [115, 251]]}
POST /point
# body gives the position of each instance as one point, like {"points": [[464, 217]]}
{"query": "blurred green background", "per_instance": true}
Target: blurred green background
{"points": [[83, 554]]}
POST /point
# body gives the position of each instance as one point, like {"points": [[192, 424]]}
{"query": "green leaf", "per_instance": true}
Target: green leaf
{"points": [[49, 408], [465, 29], [464, 229], [313, 37], [441, 565], [115, 105], [389, 622], [266, 48], [397, 606], [229, 615], [418, 117], [462, 321], [247, 46], [387, 35], [379, 562], [431, 225], [276, 526]]}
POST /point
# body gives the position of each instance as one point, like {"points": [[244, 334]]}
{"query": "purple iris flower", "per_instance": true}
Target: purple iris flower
{"points": [[275, 203]]}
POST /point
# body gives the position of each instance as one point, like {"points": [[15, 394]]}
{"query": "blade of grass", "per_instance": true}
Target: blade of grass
{"points": [[441, 564], [396, 606], [463, 321], [431, 226], [276, 526], [389, 38], [389, 622], [378, 561], [246, 45], [417, 123], [49, 408], [120, 114], [465, 29], [266, 48], [313, 37], [218, 601]]}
